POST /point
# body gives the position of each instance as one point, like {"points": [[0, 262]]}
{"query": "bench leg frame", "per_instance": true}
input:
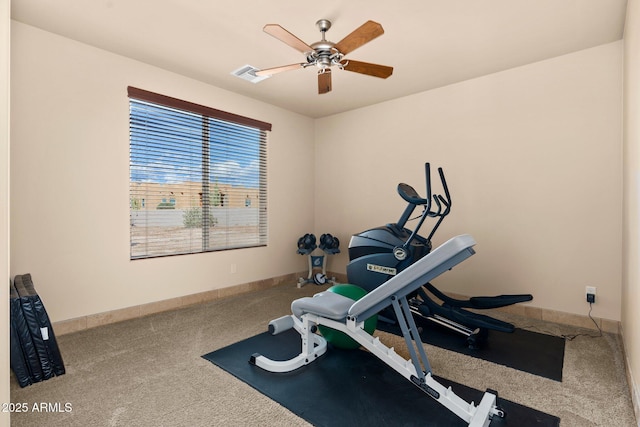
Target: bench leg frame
{"points": [[416, 369]]}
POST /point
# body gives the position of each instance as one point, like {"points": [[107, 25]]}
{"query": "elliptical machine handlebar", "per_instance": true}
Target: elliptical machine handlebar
{"points": [[410, 195], [444, 201], [447, 199]]}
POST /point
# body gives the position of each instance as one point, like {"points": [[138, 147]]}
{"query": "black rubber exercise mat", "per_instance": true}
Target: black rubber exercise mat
{"points": [[352, 387], [532, 352]]}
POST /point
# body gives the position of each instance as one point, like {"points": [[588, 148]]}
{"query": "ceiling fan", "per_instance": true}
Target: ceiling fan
{"points": [[326, 54]]}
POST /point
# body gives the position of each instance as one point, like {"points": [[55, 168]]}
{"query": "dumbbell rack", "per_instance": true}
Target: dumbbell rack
{"points": [[306, 246]]}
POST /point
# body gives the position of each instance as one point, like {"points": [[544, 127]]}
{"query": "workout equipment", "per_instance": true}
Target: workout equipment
{"points": [[378, 254], [35, 355], [343, 314], [306, 245], [337, 338]]}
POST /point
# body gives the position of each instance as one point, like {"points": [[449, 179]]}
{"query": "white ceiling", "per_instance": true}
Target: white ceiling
{"points": [[430, 43]]}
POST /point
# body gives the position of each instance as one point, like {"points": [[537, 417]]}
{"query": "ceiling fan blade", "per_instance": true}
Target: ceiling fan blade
{"points": [[275, 70], [374, 70], [361, 35], [324, 81], [286, 37]]}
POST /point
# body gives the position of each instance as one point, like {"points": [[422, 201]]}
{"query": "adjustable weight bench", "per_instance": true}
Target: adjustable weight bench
{"points": [[343, 314]]}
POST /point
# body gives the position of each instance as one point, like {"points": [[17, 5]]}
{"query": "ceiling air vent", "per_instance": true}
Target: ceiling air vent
{"points": [[248, 73]]}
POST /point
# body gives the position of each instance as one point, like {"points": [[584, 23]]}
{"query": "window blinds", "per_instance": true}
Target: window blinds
{"points": [[197, 178]]}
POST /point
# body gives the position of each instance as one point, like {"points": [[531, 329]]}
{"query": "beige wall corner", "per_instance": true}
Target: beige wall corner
{"points": [[631, 199], [5, 25]]}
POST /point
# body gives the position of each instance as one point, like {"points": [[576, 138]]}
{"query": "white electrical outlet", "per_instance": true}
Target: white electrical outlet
{"points": [[591, 290], [234, 268]]}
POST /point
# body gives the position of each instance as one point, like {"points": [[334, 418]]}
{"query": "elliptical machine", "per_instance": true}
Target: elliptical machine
{"points": [[380, 253]]}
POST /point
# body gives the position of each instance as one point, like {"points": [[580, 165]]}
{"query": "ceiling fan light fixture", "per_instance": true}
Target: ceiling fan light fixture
{"points": [[323, 62]]}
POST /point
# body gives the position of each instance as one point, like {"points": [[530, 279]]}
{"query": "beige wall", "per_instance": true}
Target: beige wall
{"points": [[533, 160], [69, 130], [631, 225], [5, 13], [533, 157]]}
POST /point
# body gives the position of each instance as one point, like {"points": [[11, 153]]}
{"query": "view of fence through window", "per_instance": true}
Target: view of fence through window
{"points": [[197, 183]]}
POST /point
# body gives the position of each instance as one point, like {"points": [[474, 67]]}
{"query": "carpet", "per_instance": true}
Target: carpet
{"points": [[353, 387]]}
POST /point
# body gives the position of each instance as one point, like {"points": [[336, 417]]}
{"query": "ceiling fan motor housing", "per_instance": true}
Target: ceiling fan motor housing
{"points": [[324, 55]]}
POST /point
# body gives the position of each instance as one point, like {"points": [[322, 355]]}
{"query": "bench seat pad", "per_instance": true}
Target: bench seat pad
{"points": [[325, 304]]}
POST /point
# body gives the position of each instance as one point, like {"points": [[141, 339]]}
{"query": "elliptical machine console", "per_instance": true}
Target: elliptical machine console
{"points": [[380, 253]]}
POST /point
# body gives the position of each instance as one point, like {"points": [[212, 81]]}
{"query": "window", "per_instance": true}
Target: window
{"points": [[197, 177]]}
